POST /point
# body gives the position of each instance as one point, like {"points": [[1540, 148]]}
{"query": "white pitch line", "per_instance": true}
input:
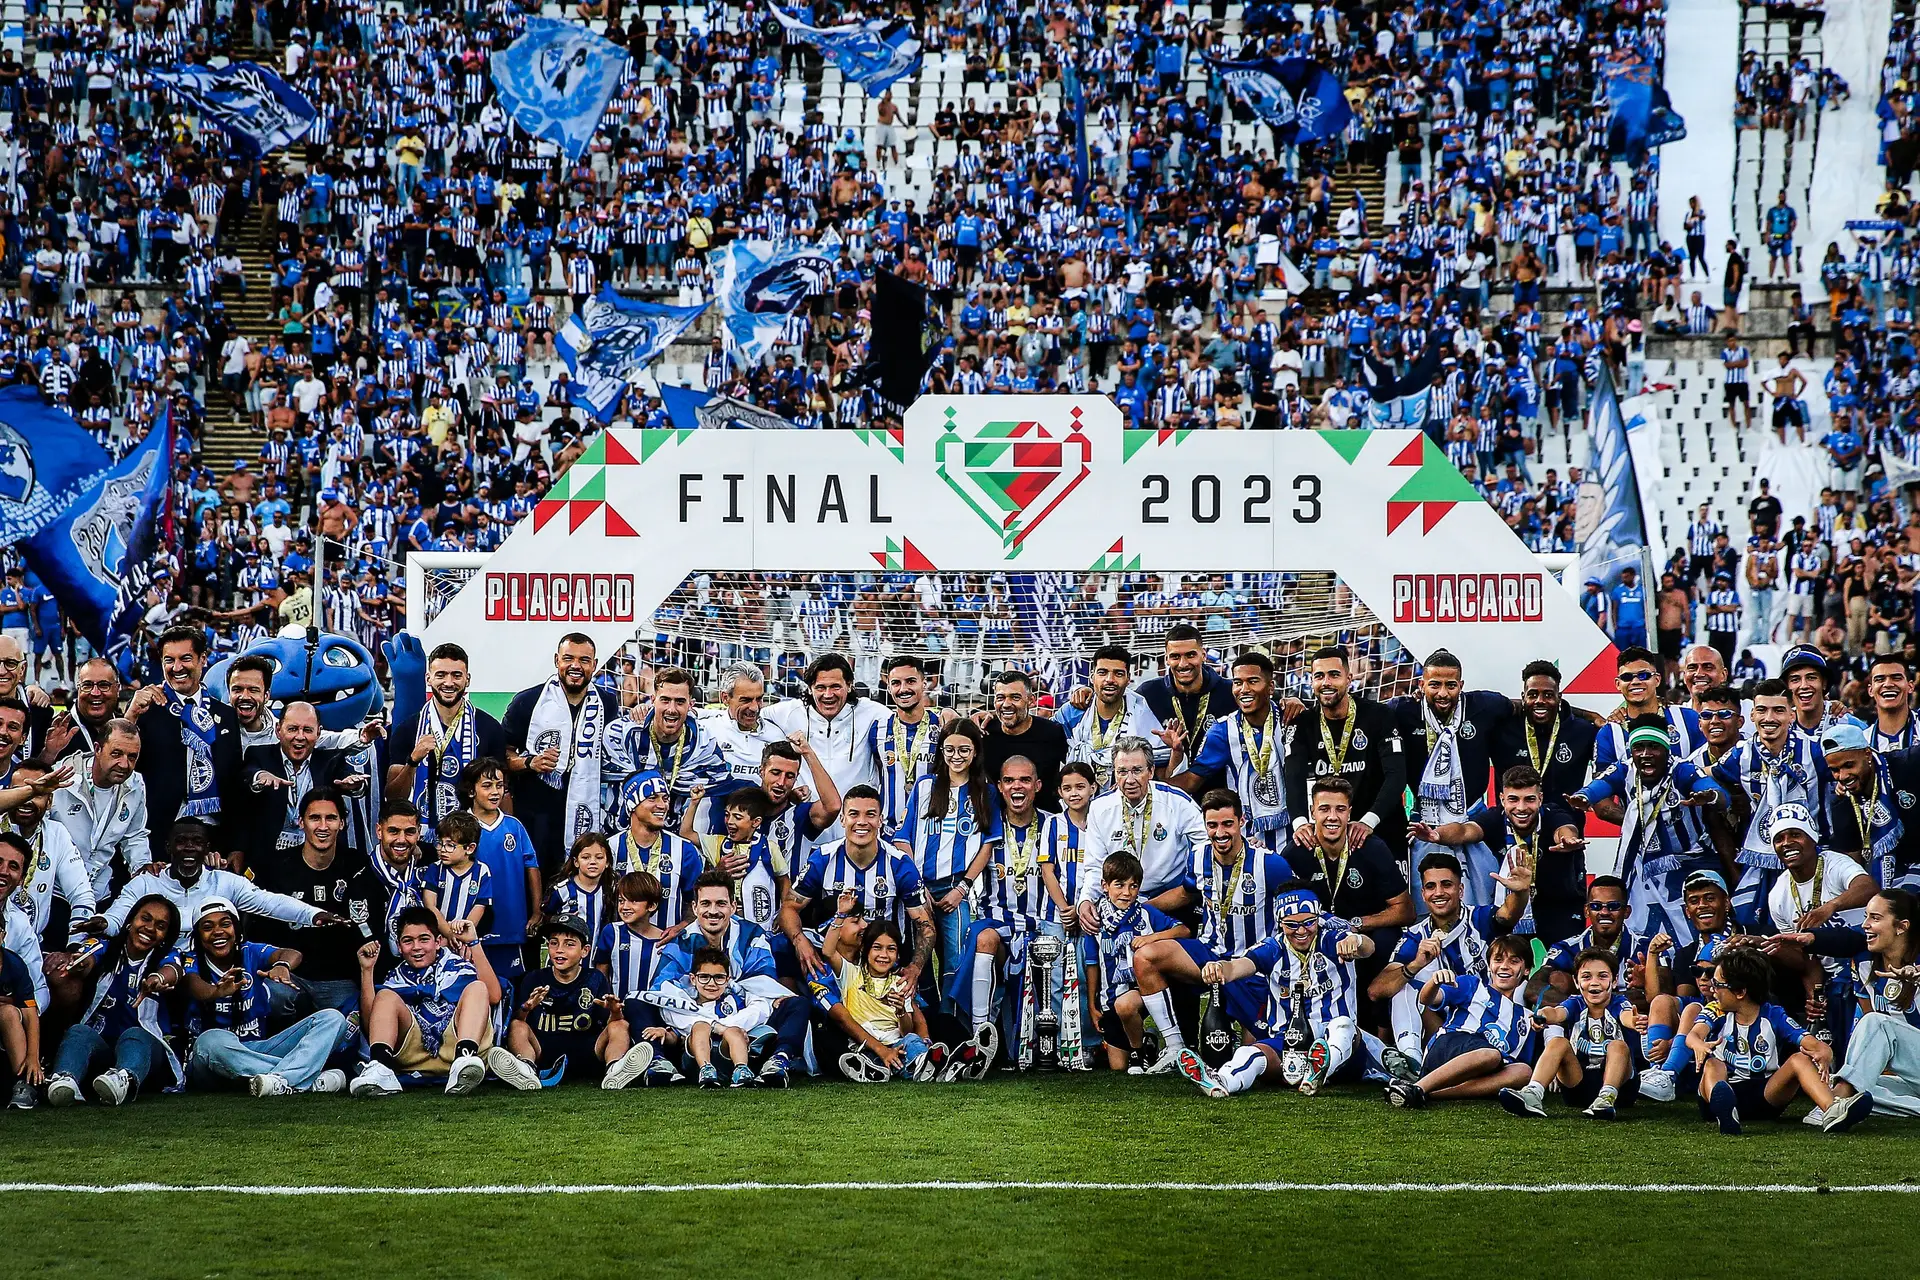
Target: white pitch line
{"points": [[706, 1188]]}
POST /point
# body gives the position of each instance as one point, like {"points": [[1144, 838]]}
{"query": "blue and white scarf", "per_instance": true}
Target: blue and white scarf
{"points": [[552, 724], [1771, 781], [198, 732], [436, 779], [1879, 823]]}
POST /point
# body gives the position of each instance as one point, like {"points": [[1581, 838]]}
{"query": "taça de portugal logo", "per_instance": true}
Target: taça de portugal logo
{"points": [[1013, 474]]}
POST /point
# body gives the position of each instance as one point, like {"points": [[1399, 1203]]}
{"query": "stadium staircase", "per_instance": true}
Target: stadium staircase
{"points": [[1768, 160]]}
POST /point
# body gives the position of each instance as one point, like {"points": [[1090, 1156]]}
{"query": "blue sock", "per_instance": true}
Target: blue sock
{"points": [[1679, 1057], [1656, 1032]]}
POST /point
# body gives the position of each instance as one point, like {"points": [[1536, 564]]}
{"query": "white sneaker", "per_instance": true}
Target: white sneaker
{"points": [[270, 1085], [1168, 1061], [113, 1088], [859, 1068], [1816, 1117], [986, 1042], [468, 1072], [63, 1091], [376, 1080], [332, 1080], [629, 1066], [1656, 1085]]}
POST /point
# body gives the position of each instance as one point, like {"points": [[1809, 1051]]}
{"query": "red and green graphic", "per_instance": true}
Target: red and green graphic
{"points": [[1435, 488], [902, 557], [581, 489], [1013, 474]]}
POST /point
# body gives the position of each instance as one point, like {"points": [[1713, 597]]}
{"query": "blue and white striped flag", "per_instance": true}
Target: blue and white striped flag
{"points": [[872, 54], [610, 339], [758, 285], [257, 108], [556, 80]]}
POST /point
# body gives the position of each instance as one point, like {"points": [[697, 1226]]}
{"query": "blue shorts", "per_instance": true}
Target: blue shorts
{"points": [[1247, 999], [1448, 1045]]}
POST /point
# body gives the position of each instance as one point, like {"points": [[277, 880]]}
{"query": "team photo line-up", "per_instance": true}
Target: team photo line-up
{"points": [[1192, 874]]}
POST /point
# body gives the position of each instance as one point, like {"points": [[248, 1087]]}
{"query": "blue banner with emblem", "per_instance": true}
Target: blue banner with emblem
{"points": [[97, 556], [1640, 115], [47, 460], [610, 339], [1612, 527], [255, 107], [1300, 100], [556, 80], [758, 285], [872, 54]]}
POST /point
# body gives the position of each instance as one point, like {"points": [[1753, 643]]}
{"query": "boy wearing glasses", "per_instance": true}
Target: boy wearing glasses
{"points": [[1754, 1058], [1315, 994], [1775, 767]]}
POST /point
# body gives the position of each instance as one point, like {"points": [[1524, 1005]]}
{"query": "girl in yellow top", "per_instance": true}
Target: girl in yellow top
{"points": [[882, 1019]]}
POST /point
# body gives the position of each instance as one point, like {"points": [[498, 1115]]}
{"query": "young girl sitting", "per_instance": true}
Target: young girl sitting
{"points": [[878, 1011]]}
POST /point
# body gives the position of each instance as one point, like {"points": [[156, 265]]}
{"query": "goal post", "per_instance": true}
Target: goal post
{"points": [[1375, 529]]}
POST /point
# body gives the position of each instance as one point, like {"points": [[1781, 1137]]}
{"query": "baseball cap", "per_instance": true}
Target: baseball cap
{"points": [[565, 923], [1702, 878], [1844, 736], [213, 906], [1803, 655]]}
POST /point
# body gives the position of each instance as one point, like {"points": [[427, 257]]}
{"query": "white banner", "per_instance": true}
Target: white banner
{"points": [[1020, 483]]}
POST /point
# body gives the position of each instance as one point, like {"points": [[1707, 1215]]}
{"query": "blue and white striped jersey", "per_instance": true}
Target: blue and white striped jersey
{"points": [[632, 961], [1238, 899], [1474, 1008], [1320, 977], [459, 892], [943, 846], [1061, 845], [1463, 947], [1755, 1050], [903, 754], [886, 887], [675, 862]]}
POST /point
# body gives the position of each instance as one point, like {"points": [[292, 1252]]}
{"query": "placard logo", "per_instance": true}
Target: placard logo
{"points": [[1468, 597]]}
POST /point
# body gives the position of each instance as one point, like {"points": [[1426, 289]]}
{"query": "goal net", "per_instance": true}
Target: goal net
{"points": [[966, 626]]}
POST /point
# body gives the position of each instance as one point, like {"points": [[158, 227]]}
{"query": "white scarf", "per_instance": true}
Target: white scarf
{"points": [[1443, 783], [580, 742]]}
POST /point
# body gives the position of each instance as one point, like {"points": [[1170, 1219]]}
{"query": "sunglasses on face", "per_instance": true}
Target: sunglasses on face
{"points": [[1718, 715], [1634, 677], [1606, 908]]}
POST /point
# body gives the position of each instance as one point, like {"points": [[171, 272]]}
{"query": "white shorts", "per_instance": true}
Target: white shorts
{"points": [[753, 1014], [1800, 605]]}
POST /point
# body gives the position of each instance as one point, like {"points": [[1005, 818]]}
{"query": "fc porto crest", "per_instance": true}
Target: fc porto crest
{"points": [[1013, 475], [16, 465]]}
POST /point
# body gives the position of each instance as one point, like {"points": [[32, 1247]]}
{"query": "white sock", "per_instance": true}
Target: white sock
{"points": [[1534, 1089], [982, 991], [1160, 1005], [1406, 1020], [1247, 1065]]}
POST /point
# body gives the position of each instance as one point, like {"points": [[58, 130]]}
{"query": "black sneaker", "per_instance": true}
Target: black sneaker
{"points": [[1406, 1094]]}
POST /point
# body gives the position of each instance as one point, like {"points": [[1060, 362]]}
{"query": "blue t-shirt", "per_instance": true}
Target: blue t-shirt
{"points": [[507, 853]]}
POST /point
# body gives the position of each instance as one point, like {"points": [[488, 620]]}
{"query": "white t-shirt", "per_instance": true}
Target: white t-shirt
{"points": [[234, 353], [1837, 872]]}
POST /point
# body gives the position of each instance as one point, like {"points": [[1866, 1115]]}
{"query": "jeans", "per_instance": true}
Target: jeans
{"points": [[950, 935], [84, 1053], [1883, 1057], [912, 1049], [299, 1053], [1760, 602]]}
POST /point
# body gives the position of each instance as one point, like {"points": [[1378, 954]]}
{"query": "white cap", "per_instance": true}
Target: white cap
{"points": [[1793, 817], [213, 906]]}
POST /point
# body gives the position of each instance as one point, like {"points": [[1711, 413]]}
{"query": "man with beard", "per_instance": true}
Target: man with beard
{"points": [[338, 882], [1891, 724], [1190, 696], [396, 860], [1773, 767], [96, 700], [1243, 750], [188, 882], [1549, 737], [1449, 735], [189, 743], [1523, 830], [902, 741], [1637, 677], [104, 807], [1011, 729], [249, 679], [279, 777], [1116, 713], [556, 751], [1871, 807], [668, 741], [1348, 736], [1663, 833], [450, 734]]}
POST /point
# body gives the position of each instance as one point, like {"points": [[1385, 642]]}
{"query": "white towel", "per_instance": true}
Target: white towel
{"points": [[580, 742]]}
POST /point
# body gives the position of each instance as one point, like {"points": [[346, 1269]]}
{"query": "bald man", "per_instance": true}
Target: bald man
{"points": [[274, 778], [14, 684], [1702, 668]]}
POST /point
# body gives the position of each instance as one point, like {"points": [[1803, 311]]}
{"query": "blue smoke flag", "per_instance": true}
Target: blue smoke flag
{"points": [[47, 460], [255, 107], [612, 337], [872, 54], [690, 409], [758, 285], [1300, 100], [1612, 527], [556, 80], [1641, 117], [97, 556], [1396, 401]]}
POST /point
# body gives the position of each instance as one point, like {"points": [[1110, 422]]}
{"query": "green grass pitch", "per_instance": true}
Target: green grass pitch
{"points": [[1087, 1129]]}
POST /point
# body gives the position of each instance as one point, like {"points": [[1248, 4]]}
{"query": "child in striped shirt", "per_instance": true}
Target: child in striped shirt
{"points": [[459, 889], [1487, 1041]]}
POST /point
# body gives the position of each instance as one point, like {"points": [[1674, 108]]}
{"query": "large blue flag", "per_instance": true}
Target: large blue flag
{"points": [[1401, 401], [689, 409], [97, 556], [1612, 526], [1300, 100], [258, 109], [759, 284], [612, 337], [46, 461], [556, 80], [872, 54], [1641, 117]]}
